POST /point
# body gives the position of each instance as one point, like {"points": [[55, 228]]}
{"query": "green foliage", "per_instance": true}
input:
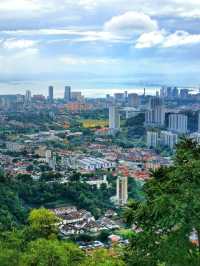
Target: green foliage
{"points": [[50, 176], [169, 214], [135, 189], [20, 248], [43, 252], [136, 120], [104, 257], [19, 194], [12, 211], [43, 223]]}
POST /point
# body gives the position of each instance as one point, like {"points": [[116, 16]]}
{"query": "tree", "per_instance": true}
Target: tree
{"points": [[9, 257], [103, 257], [137, 120], [43, 252], [43, 223], [169, 214], [2, 175], [75, 177]]}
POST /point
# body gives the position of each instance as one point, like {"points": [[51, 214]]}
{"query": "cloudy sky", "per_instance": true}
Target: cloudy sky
{"points": [[143, 40]]}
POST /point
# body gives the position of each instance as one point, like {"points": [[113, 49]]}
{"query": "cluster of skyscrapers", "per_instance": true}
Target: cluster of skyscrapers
{"points": [[67, 94], [173, 92], [166, 125]]}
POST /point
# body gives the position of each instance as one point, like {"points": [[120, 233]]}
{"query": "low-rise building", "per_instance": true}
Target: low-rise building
{"points": [[15, 147]]}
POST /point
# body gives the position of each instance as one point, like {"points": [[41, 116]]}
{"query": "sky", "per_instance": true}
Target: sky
{"points": [[141, 41]]}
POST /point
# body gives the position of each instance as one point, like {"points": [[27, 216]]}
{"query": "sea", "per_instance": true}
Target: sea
{"points": [[90, 89]]}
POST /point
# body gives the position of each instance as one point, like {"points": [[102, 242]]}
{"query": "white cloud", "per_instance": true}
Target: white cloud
{"points": [[131, 22], [180, 38], [22, 61], [18, 44], [73, 35], [150, 39], [177, 8], [29, 8], [19, 5], [72, 60], [166, 40]]}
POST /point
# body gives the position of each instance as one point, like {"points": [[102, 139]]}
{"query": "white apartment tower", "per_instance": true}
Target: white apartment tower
{"points": [[122, 190], [28, 97], [152, 139], [178, 123], [155, 116], [168, 139], [114, 119], [133, 100], [67, 94], [199, 122]]}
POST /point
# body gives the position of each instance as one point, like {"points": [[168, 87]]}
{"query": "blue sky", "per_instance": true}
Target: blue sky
{"points": [[142, 40]]}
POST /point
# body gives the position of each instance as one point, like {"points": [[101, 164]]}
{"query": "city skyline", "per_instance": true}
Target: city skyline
{"points": [[140, 41]]}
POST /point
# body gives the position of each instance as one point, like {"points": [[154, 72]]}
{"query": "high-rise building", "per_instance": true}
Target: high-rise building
{"points": [[169, 92], [51, 94], [28, 97], [168, 139], [126, 96], [67, 95], [178, 123], [184, 93], [155, 116], [162, 92], [196, 137], [152, 139], [48, 156], [199, 122], [155, 102], [77, 96], [122, 190], [119, 97], [175, 92], [133, 100], [114, 119]]}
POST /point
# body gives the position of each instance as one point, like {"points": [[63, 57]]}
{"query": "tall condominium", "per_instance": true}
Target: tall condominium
{"points": [[169, 92], [51, 94], [199, 122], [133, 100], [168, 139], [152, 139], [122, 190], [67, 95], [28, 97], [114, 119], [178, 123], [175, 92], [119, 97], [155, 102], [155, 116], [184, 93]]}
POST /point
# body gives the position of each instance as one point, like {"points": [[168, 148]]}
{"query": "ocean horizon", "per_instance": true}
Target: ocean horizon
{"points": [[90, 89]]}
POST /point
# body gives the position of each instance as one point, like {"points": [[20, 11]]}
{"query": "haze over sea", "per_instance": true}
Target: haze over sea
{"points": [[93, 89]]}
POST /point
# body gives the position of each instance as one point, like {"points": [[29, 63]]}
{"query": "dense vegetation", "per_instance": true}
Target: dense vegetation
{"points": [[37, 244], [169, 215], [18, 195], [165, 220]]}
